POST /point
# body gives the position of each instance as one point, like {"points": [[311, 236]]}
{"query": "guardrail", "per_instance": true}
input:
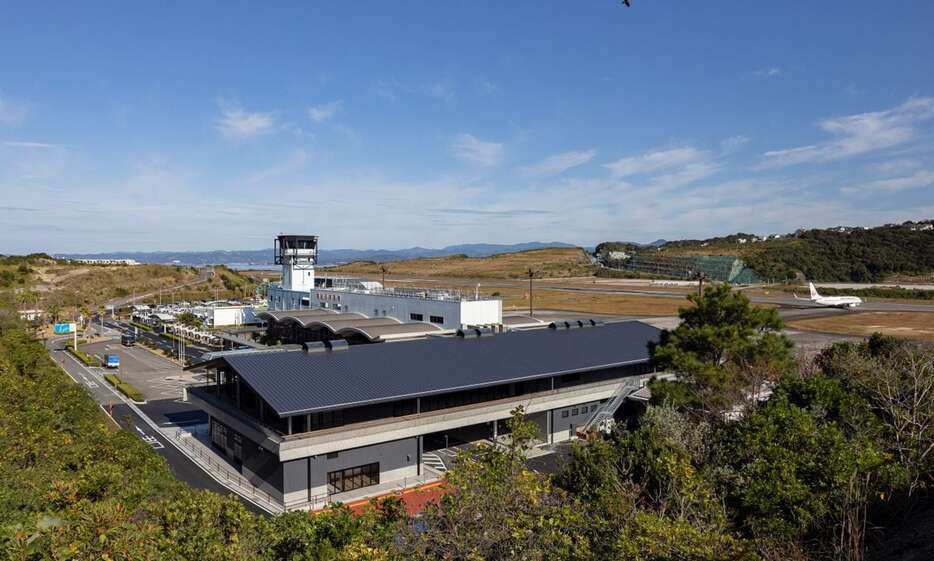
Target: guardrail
{"points": [[226, 476]]}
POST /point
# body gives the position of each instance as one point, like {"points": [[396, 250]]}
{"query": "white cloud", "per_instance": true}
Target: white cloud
{"points": [[733, 143], [444, 91], [769, 72], [559, 163], [237, 124], [916, 180], [348, 132], [485, 86], [655, 161], [21, 144], [895, 167], [293, 161], [392, 90], [12, 112], [858, 134], [323, 112], [471, 149]]}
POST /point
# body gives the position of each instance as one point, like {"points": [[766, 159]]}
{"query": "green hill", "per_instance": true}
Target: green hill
{"points": [[834, 254]]}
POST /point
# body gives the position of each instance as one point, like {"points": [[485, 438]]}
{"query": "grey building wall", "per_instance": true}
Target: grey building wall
{"points": [[454, 312]]}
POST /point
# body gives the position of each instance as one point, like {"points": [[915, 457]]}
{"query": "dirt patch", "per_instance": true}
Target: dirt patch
{"points": [[909, 325]]}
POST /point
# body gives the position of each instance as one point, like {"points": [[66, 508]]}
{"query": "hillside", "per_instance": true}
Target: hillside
{"points": [[325, 256], [833, 254], [38, 281], [548, 263]]}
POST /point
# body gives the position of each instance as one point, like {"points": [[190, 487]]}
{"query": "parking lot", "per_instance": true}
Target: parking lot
{"points": [[156, 377]]}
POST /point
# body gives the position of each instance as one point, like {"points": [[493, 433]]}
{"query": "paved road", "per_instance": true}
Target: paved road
{"points": [[192, 351], [116, 406]]}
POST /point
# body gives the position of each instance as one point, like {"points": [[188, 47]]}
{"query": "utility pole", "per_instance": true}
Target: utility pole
{"points": [[700, 282], [382, 269], [531, 274]]}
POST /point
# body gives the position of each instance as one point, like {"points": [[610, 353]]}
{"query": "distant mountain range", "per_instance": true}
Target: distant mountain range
{"points": [[325, 256]]}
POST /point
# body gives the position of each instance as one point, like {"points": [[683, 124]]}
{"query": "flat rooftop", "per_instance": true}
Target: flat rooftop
{"points": [[299, 382]]}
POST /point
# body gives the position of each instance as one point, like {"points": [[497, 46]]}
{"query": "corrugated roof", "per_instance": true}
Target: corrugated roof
{"points": [[279, 315], [374, 331], [298, 382]]}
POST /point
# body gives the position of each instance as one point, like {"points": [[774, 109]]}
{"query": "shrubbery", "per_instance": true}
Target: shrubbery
{"points": [[125, 388], [84, 357]]}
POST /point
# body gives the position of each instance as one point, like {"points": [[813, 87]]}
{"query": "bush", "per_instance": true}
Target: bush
{"points": [[125, 388], [85, 358], [142, 326]]}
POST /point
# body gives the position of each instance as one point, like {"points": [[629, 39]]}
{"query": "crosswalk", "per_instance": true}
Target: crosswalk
{"points": [[434, 461]]}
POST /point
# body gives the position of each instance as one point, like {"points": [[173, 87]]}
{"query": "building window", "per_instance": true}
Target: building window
{"points": [[593, 408], [219, 434], [436, 319], [344, 480], [416, 317], [574, 411], [564, 414]]}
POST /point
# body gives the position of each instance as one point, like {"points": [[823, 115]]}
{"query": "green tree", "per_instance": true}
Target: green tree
{"points": [[723, 349], [803, 468], [499, 509], [188, 319]]}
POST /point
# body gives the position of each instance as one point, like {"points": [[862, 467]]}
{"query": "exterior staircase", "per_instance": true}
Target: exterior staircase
{"points": [[434, 461], [602, 419]]}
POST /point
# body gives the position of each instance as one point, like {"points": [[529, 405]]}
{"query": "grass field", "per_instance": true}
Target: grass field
{"points": [[516, 299], [547, 263], [910, 325]]}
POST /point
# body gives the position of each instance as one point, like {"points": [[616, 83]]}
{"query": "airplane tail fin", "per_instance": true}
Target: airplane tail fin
{"points": [[814, 293]]}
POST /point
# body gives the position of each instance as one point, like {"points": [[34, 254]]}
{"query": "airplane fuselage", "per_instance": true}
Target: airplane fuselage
{"points": [[838, 301]]}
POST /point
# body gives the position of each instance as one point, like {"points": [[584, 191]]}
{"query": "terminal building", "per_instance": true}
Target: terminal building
{"points": [[301, 290], [326, 421]]}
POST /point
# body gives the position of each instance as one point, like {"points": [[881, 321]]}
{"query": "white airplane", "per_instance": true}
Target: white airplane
{"points": [[831, 301]]}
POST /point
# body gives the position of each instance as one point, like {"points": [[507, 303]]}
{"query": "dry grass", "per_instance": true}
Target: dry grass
{"points": [[67, 285], [910, 325], [616, 304], [547, 263]]}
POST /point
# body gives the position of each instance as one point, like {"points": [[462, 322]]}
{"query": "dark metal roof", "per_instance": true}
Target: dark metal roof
{"points": [[297, 382]]}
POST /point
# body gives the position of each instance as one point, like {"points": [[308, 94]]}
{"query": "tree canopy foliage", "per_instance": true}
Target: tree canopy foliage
{"points": [[723, 349]]}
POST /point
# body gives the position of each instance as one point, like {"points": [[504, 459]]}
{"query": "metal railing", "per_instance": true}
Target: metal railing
{"points": [[208, 461], [601, 417]]}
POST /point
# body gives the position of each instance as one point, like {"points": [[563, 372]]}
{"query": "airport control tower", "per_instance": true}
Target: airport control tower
{"points": [[297, 255]]}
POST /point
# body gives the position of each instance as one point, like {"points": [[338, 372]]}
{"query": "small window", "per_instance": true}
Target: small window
{"points": [[332, 455], [564, 414], [416, 317], [593, 408], [574, 411], [436, 319]]}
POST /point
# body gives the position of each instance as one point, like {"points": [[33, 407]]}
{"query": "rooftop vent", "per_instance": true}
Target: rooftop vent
{"points": [[314, 346], [337, 345]]}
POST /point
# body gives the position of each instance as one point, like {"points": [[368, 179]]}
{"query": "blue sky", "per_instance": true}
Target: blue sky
{"points": [[196, 125]]}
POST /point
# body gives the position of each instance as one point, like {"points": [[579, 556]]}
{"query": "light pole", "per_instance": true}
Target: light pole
{"points": [[382, 269], [531, 274]]}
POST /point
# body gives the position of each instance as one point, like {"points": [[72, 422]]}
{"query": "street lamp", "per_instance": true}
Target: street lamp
{"points": [[531, 274]]}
